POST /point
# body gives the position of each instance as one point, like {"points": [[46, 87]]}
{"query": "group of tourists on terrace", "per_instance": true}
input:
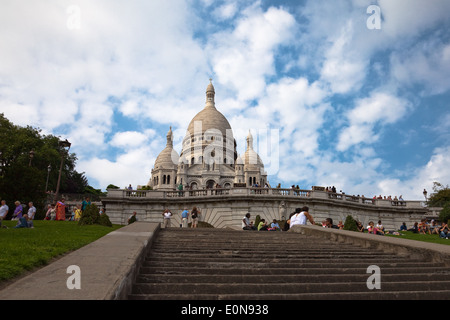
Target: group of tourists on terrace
{"points": [[62, 211], [425, 227], [301, 216]]}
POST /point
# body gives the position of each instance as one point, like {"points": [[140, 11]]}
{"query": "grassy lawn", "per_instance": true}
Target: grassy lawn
{"points": [[25, 248], [434, 238]]}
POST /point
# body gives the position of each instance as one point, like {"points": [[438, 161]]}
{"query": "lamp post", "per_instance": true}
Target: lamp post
{"points": [[63, 151], [31, 154], [49, 168]]}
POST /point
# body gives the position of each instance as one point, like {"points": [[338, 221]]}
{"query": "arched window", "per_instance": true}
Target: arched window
{"points": [[168, 179], [164, 179]]}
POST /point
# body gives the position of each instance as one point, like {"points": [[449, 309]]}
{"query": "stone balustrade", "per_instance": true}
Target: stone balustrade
{"points": [[225, 207], [270, 192]]}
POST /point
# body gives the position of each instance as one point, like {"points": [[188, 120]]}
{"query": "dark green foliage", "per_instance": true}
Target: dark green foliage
{"points": [[90, 190], [444, 215], [350, 224], [103, 220], [91, 216], [440, 197]]}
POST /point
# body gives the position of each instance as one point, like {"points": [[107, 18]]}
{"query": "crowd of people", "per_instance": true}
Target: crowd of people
{"points": [[299, 217], [61, 210], [302, 215], [425, 227], [25, 215]]}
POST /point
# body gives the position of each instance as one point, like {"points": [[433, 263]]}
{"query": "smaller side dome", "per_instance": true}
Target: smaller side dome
{"points": [[239, 161], [168, 158]]}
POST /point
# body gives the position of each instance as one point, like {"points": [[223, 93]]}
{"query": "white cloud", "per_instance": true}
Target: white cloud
{"points": [[243, 58], [436, 170], [379, 108], [298, 108], [412, 17], [343, 68], [128, 139], [427, 65], [226, 11]]}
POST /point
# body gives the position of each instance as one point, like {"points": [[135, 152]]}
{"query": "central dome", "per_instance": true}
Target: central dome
{"points": [[209, 119], [209, 134]]}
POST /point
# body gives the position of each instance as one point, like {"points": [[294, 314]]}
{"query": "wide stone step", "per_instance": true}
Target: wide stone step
{"points": [[254, 247], [211, 264], [285, 288], [285, 271], [259, 265], [258, 247], [271, 259], [281, 279], [256, 255], [372, 295], [261, 251]]}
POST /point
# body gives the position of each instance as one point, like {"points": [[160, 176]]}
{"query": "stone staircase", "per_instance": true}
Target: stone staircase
{"points": [[212, 264]]}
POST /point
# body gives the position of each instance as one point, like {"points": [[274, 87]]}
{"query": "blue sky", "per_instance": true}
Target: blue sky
{"points": [[365, 110]]}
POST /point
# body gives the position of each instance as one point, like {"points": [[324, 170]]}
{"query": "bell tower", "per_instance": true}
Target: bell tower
{"points": [[210, 93]]}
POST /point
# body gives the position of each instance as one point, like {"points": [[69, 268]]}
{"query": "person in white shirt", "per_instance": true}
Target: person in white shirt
{"points": [[246, 224], [301, 217], [31, 211], [3, 211], [167, 215]]}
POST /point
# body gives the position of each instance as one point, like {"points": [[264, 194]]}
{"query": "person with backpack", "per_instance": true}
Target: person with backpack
{"points": [[194, 215]]}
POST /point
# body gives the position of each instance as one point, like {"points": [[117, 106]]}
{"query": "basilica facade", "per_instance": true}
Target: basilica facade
{"points": [[208, 158]]}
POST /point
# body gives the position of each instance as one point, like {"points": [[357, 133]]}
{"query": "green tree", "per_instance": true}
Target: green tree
{"points": [[350, 224], [25, 155], [444, 215], [440, 196], [92, 216]]}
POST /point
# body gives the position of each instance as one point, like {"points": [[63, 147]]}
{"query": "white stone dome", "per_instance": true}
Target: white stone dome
{"points": [[168, 158]]}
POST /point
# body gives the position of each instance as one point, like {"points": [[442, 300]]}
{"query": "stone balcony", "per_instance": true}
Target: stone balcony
{"points": [[263, 192]]}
